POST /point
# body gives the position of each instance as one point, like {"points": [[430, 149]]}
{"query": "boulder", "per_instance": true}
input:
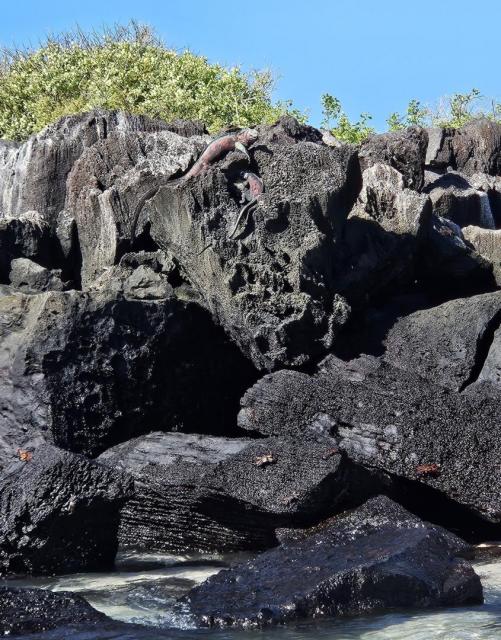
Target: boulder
{"points": [[487, 243], [214, 494], [473, 148], [403, 150], [394, 421], [477, 147], [381, 236], [449, 265], [454, 198], [446, 344], [439, 153], [89, 370], [271, 286], [60, 513], [25, 237], [28, 276], [375, 558], [491, 185], [27, 611]]}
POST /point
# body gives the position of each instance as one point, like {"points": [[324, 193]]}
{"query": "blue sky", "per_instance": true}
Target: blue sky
{"points": [[373, 55]]}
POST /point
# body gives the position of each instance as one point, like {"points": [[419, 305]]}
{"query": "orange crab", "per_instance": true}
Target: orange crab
{"points": [[432, 470], [24, 456]]}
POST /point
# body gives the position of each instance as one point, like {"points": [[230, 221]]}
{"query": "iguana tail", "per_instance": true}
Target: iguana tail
{"points": [[244, 211]]}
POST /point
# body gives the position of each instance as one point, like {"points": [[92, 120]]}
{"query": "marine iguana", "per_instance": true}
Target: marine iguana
{"points": [[215, 149], [255, 189]]}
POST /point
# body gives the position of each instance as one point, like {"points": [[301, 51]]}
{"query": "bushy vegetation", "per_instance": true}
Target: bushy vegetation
{"points": [[131, 69], [453, 111], [127, 68], [341, 127]]}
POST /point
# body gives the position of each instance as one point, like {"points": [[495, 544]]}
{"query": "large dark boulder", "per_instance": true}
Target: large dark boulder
{"points": [[215, 494], [26, 611], [447, 344], [89, 370], [403, 150], [377, 557], [394, 421], [60, 513]]}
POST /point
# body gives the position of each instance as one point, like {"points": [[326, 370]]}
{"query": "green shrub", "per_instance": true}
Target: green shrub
{"points": [[127, 68], [341, 127], [453, 111]]}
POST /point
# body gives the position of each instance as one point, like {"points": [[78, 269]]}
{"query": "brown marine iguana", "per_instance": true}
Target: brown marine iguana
{"points": [[255, 188], [215, 149]]}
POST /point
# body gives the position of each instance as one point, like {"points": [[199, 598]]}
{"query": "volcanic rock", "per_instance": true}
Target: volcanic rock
{"points": [[89, 370], [26, 611], [215, 494], [487, 243], [270, 287], [59, 513], [403, 150], [375, 558], [391, 420]]}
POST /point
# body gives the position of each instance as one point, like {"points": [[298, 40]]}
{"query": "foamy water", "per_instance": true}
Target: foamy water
{"points": [[144, 589]]}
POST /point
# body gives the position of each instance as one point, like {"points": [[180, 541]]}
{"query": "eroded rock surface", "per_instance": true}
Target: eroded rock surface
{"points": [[271, 288], [403, 150], [392, 420], [377, 557], [60, 513], [214, 494], [446, 344], [26, 611]]}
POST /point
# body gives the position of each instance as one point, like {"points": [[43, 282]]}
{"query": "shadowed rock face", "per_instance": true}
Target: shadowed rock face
{"points": [[448, 264], [388, 419], [375, 558], [455, 198], [487, 243], [205, 494], [89, 370], [59, 513], [381, 237], [447, 344], [24, 611], [25, 237]]}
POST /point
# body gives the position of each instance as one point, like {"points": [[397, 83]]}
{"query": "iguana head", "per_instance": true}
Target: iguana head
{"points": [[247, 136]]}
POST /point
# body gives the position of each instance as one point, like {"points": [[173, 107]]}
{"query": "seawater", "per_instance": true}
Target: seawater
{"points": [[144, 588]]}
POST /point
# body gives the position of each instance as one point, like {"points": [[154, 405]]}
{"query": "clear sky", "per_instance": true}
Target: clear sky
{"points": [[373, 55]]}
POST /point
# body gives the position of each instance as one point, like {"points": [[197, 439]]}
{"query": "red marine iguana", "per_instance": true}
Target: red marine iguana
{"points": [[216, 149], [255, 187]]}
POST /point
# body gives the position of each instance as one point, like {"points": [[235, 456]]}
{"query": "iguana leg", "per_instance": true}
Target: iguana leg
{"points": [[240, 147]]}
